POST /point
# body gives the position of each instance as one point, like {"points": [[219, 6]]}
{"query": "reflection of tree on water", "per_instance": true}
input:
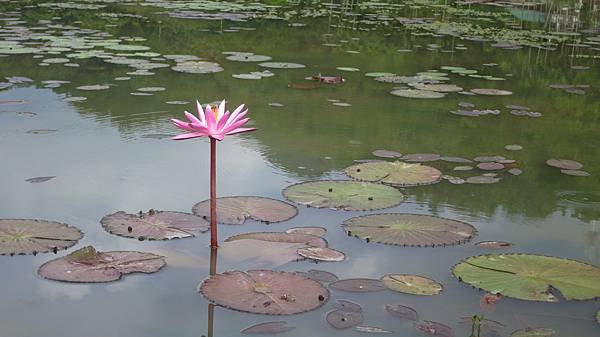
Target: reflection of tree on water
{"points": [[592, 241], [211, 307]]}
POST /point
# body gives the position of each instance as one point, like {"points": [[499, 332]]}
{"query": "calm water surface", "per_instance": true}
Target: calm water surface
{"points": [[107, 154]]}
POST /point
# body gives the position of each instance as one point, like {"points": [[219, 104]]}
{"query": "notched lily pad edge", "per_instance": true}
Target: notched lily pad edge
{"points": [[520, 299]]}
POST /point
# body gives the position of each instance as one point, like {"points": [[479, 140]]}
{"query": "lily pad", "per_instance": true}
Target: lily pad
{"points": [[268, 328], [565, 164], [344, 319], [490, 166], [244, 57], [576, 173], [534, 332], [154, 225], [387, 154], [347, 306], [87, 265], [437, 87], [372, 329], [24, 236], [421, 157], [482, 180], [236, 210], [434, 329], [197, 67], [513, 147], [264, 292], [413, 230], [38, 180], [415, 93], [281, 65], [316, 231], [402, 311], [491, 92], [281, 237], [395, 173], [320, 276], [322, 254], [94, 87], [530, 277], [411, 284], [358, 285], [344, 195], [493, 244]]}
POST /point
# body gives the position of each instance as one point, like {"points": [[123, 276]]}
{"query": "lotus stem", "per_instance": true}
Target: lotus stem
{"points": [[214, 241]]}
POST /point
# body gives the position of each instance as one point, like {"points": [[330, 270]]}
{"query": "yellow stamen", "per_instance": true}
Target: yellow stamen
{"points": [[215, 112]]}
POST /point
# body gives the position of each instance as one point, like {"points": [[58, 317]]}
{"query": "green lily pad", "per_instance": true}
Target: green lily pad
{"points": [[281, 65], [197, 67], [533, 332], [127, 47], [236, 210], [491, 92], [24, 236], [412, 230], [395, 174], [244, 57], [411, 284], [530, 277], [344, 195], [415, 93], [437, 87]]}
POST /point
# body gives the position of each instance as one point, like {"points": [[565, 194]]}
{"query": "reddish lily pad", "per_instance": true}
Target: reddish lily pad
{"points": [[313, 241], [268, 328], [358, 285], [154, 225], [89, 266], [264, 292], [413, 230], [316, 231], [321, 254], [395, 173], [25, 236], [344, 195], [402, 311], [411, 284], [344, 319], [236, 210], [490, 166], [565, 164]]}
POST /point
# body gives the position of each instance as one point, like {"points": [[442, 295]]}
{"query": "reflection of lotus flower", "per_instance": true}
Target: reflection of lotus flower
{"points": [[213, 123]]}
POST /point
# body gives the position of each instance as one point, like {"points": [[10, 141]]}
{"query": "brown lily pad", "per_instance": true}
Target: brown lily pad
{"points": [[490, 166], [236, 210], [268, 328], [264, 292], [409, 229], [402, 311], [25, 236], [154, 225], [565, 164], [89, 266], [358, 285], [340, 319], [321, 254], [316, 231]]}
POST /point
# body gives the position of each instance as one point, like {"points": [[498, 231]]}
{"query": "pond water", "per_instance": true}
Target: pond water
{"points": [[111, 151]]}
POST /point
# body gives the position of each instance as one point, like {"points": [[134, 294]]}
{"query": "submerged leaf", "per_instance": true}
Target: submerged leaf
{"points": [[24, 236], [264, 292], [402, 311], [87, 265], [409, 229], [347, 306], [268, 328], [530, 277], [344, 195], [236, 210]]}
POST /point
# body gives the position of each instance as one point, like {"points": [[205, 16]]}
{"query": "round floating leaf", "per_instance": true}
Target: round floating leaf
{"points": [[38, 180], [236, 210], [402, 311], [281, 237], [491, 92], [387, 154], [344, 195], [154, 225], [264, 292], [434, 329], [513, 147], [372, 329], [316, 231], [244, 57], [151, 89], [395, 174], [94, 87], [565, 164], [347, 306], [493, 244], [534, 332], [126, 47], [482, 180], [87, 265], [351, 69], [421, 157], [576, 173], [322, 254], [320, 276], [343, 319], [409, 229], [281, 65], [456, 160], [411, 284], [197, 67], [530, 277], [358, 285], [415, 93], [24, 236], [268, 328], [490, 166], [437, 87]]}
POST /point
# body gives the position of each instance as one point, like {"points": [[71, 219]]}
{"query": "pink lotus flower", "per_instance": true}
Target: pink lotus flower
{"points": [[213, 123]]}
